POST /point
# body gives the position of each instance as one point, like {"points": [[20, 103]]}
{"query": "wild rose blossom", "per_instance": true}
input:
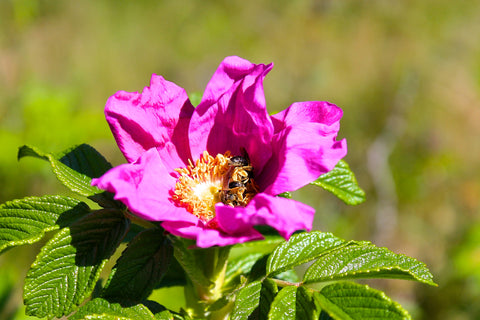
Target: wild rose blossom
{"points": [[181, 160]]}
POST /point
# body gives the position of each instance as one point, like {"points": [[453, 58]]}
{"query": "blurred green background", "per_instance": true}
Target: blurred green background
{"points": [[406, 73]]}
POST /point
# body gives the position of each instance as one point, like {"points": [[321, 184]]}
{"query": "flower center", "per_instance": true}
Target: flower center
{"points": [[224, 178]]}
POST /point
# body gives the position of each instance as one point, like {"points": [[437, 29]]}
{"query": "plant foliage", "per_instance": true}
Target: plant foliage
{"points": [[259, 282]]}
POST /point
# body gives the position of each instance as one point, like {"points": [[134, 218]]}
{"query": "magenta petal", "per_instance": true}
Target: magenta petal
{"points": [[310, 111], [213, 237], [159, 131], [285, 215], [206, 237], [183, 229], [230, 71], [233, 220], [232, 114], [144, 187], [298, 161], [140, 121], [304, 146]]}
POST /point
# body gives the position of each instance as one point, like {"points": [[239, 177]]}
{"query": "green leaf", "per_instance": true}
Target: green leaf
{"points": [[86, 160], [258, 271], [267, 294], [301, 248], [284, 304], [265, 245], [366, 261], [195, 98], [253, 301], [25, 221], [306, 306], [286, 194], [167, 315], [69, 265], [289, 276], [240, 267], [342, 182], [140, 268], [351, 301], [294, 303], [175, 276], [75, 168], [220, 304], [102, 309], [247, 301], [251, 258]]}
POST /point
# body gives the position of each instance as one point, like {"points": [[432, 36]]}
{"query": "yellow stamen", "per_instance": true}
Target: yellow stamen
{"points": [[203, 184]]}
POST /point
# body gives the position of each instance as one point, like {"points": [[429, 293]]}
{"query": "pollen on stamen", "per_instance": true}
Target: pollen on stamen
{"points": [[206, 182], [199, 185]]}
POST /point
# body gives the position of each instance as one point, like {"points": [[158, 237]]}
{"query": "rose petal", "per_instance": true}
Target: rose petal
{"points": [[285, 215], [232, 114], [304, 146], [145, 188], [213, 237], [159, 130], [183, 229], [206, 237], [297, 160], [140, 121], [310, 111]]}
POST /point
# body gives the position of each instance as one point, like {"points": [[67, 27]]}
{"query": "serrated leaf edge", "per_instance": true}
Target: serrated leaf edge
{"points": [[343, 275], [358, 197], [382, 294], [85, 190], [41, 234], [300, 262]]}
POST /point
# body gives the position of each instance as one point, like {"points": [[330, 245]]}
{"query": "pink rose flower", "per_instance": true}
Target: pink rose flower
{"points": [[212, 173]]}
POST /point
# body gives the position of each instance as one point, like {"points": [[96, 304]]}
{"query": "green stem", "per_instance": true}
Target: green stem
{"points": [[214, 266], [283, 283], [205, 270], [213, 262]]}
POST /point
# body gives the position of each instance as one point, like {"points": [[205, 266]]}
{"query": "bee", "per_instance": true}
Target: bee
{"points": [[239, 187]]}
